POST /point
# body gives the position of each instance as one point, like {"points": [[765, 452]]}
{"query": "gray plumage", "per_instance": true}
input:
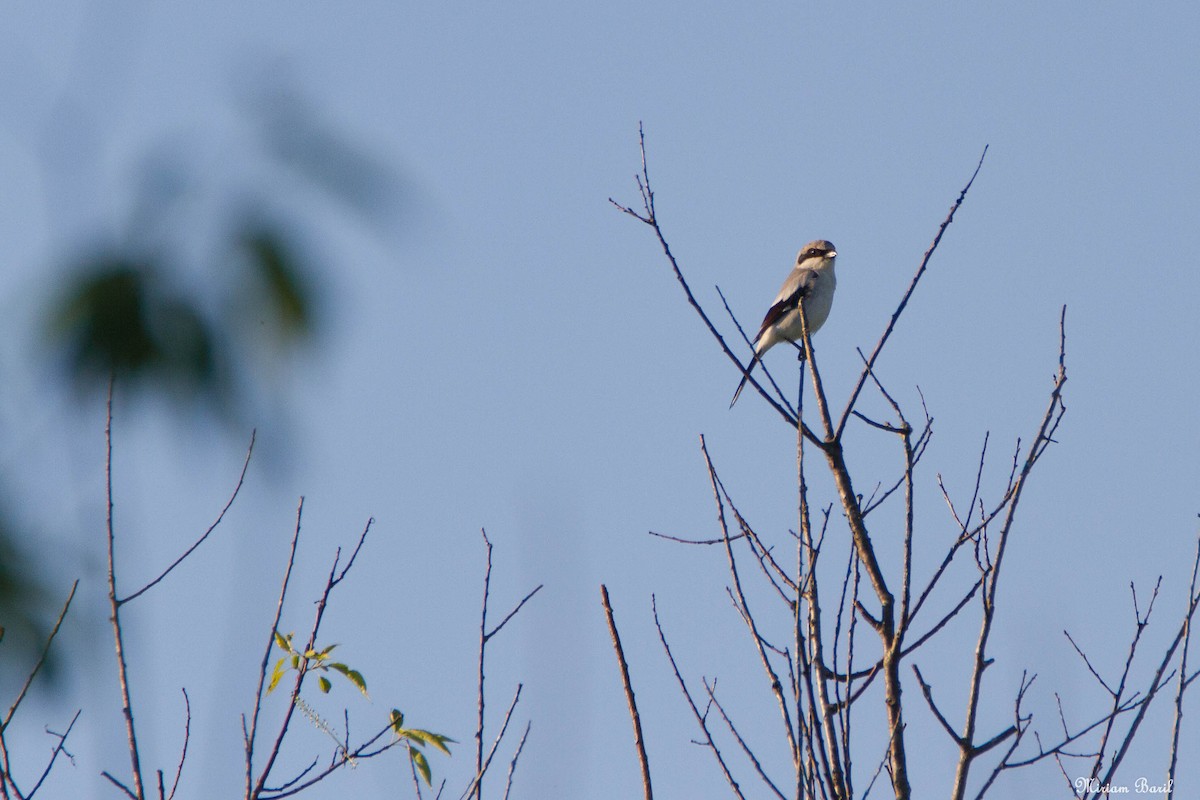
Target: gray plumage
{"points": [[811, 282]]}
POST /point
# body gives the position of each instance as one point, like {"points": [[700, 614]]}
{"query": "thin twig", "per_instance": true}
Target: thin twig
{"points": [[701, 718], [128, 792], [138, 790], [711, 689], [333, 579], [228, 503], [485, 636], [751, 623], [42, 658], [927, 690], [60, 747], [250, 735], [1161, 676], [1177, 723], [476, 785], [742, 332], [512, 765], [990, 572], [187, 735], [649, 216], [681, 540], [862, 378], [483, 640], [362, 752]]}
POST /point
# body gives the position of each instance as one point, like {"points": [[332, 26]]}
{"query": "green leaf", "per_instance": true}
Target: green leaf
{"points": [[352, 675], [324, 683], [422, 763], [439, 741], [423, 737], [276, 674], [282, 643], [397, 721]]}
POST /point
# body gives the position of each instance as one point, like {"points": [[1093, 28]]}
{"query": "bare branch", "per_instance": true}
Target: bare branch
{"points": [[353, 556], [340, 759], [701, 718], [41, 659], [991, 570], [475, 787], [649, 217], [862, 378], [483, 640], [1161, 675], [783, 399], [771, 568], [138, 790], [59, 747], [638, 741], [334, 578], [485, 636], [1176, 725], [512, 765], [228, 503], [772, 675], [681, 540], [711, 689], [1088, 663], [187, 735], [827, 768], [927, 690], [516, 608], [128, 792], [250, 735]]}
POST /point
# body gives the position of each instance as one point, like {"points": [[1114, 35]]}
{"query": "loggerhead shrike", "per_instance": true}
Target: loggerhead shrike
{"points": [[812, 281]]}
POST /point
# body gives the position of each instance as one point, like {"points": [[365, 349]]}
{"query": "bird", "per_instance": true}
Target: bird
{"points": [[811, 281]]}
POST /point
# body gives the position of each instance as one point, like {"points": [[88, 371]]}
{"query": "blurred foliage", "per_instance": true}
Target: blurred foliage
{"points": [[117, 318], [166, 322], [211, 283], [134, 319], [285, 288], [24, 604], [297, 138]]}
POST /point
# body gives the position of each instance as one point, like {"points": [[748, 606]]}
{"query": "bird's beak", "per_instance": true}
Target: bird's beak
{"points": [[831, 254]]}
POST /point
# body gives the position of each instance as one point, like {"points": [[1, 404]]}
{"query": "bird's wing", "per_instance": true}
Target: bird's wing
{"points": [[797, 286]]}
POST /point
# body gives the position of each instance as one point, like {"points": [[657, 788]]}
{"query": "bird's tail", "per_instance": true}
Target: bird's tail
{"points": [[745, 377]]}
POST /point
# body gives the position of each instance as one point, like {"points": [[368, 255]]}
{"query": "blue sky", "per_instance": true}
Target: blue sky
{"points": [[507, 351]]}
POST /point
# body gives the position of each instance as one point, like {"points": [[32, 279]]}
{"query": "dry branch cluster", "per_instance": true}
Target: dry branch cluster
{"points": [[266, 733], [841, 666]]}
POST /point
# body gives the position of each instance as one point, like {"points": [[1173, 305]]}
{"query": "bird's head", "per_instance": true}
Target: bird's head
{"points": [[817, 253]]}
